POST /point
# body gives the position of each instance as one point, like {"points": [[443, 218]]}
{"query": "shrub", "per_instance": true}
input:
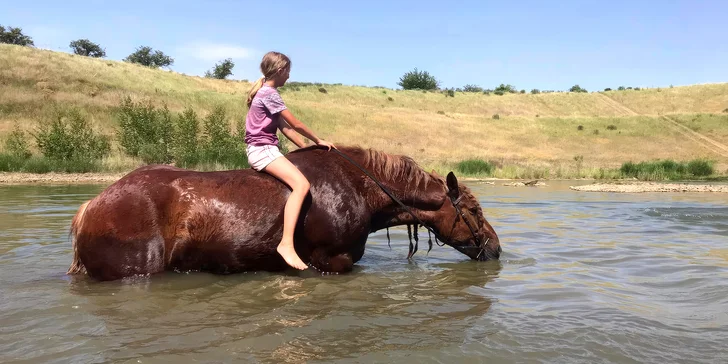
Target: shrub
{"points": [[185, 139], [611, 127], [667, 169], [221, 70], [390, 98], [523, 91], [725, 110], [472, 88], [577, 88], [496, 116], [68, 136], [596, 131], [535, 91], [502, 88], [621, 88], [219, 145], [418, 80], [700, 168], [87, 48], [144, 56], [607, 89], [441, 112], [580, 127], [15, 36], [16, 144], [475, 166], [323, 90], [450, 93], [145, 131]]}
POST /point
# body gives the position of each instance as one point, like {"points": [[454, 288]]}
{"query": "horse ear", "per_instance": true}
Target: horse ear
{"points": [[452, 185]]}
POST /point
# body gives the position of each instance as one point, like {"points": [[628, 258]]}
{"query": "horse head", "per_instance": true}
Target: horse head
{"points": [[461, 224]]}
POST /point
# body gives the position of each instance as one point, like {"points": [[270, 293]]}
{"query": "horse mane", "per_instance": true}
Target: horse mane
{"points": [[386, 166]]}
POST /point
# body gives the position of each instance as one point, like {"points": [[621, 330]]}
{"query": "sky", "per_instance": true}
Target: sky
{"points": [[548, 45]]}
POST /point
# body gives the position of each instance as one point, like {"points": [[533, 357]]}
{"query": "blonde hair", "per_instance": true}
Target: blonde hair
{"points": [[269, 66]]}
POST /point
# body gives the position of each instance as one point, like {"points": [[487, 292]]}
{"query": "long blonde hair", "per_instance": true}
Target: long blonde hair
{"points": [[271, 63]]}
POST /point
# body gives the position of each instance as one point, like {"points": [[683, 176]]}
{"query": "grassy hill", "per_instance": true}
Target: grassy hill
{"points": [[532, 134]]}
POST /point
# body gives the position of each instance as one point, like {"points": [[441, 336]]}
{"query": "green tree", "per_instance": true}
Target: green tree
{"points": [[146, 56], [87, 48], [15, 36], [418, 80], [221, 70]]}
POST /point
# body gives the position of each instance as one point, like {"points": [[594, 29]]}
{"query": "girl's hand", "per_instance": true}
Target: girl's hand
{"points": [[326, 144]]}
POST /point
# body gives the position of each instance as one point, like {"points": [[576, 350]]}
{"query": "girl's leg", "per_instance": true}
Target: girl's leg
{"points": [[284, 170]]}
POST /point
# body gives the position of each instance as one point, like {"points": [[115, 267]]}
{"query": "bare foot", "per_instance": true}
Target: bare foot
{"points": [[289, 254]]}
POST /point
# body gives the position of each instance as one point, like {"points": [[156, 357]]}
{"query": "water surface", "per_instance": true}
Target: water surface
{"points": [[584, 277]]}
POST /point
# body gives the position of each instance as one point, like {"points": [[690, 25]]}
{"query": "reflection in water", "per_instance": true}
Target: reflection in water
{"points": [[583, 277]]}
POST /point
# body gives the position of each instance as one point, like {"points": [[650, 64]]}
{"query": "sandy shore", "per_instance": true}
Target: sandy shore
{"points": [[638, 187], [59, 178]]}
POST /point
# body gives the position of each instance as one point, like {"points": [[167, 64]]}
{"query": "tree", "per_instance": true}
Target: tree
{"points": [[577, 88], [87, 48], [144, 56], [535, 91], [15, 36], [418, 80], [221, 70]]}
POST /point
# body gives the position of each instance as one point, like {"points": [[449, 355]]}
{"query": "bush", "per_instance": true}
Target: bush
{"points": [[474, 166], [472, 88], [144, 56], [620, 88], [145, 132], [323, 90], [70, 137], [607, 89], [502, 89], [577, 88], [221, 70], [218, 145], [667, 169], [611, 127], [185, 139], [418, 80], [15, 36], [390, 98], [725, 110], [17, 145], [496, 116], [700, 168], [535, 91], [441, 112], [450, 92], [87, 48], [580, 127]]}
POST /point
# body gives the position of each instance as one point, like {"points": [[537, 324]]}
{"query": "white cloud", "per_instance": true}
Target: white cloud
{"points": [[215, 52]]}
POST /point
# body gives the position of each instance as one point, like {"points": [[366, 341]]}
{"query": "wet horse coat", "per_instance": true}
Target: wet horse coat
{"points": [[159, 218]]}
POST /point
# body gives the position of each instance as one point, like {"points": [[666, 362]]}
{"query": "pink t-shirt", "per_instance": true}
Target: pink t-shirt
{"points": [[262, 121]]}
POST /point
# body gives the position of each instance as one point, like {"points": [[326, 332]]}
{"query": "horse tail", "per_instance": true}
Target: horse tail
{"points": [[77, 266]]}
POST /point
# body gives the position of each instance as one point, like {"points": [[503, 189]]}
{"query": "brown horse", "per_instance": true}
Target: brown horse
{"points": [[159, 218]]}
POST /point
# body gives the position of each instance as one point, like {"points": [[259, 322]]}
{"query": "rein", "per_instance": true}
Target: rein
{"points": [[455, 203]]}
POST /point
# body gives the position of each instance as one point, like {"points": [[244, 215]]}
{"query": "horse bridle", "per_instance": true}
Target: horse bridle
{"points": [[454, 201]]}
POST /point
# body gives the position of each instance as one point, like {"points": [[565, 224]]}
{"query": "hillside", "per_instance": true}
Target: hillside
{"points": [[533, 131]]}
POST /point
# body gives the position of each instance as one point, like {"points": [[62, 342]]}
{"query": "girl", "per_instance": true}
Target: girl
{"points": [[266, 114]]}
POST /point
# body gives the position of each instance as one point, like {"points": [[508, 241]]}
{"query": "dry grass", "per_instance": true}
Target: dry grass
{"points": [[437, 131]]}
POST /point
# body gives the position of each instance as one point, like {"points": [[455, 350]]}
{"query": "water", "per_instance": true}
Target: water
{"points": [[585, 277]]}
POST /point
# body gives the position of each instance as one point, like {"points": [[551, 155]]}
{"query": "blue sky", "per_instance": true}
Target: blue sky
{"points": [[549, 45]]}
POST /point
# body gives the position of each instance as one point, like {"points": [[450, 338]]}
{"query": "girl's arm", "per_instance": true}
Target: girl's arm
{"points": [[302, 129], [291, 134]]}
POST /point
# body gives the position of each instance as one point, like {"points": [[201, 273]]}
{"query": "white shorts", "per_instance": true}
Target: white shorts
{"points": [[260, 156]]}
